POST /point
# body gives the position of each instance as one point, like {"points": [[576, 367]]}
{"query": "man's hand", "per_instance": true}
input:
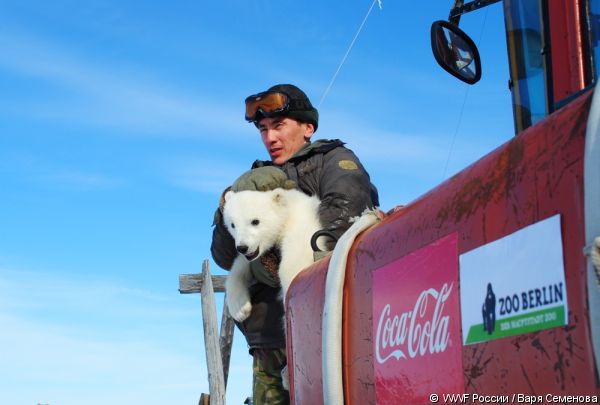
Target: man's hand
{"points": [[270, 261], [264, 178]]}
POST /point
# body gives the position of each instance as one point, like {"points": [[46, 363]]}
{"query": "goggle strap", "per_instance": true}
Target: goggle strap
{"points": [[300, 105]]}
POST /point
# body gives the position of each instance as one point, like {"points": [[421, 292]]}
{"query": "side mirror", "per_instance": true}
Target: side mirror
{"points": [[455, 51]]}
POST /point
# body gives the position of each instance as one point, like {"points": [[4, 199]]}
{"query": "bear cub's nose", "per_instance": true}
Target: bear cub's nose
{"points": [[242, 249]]}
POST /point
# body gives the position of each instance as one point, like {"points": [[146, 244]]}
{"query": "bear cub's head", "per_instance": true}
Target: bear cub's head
{"points": [[255, 219]]}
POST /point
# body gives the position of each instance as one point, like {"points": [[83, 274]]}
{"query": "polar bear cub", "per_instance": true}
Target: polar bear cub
{"points": [[258, 221]]}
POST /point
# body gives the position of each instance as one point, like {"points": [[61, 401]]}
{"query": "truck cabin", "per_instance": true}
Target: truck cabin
{"points": [[552, 51]]}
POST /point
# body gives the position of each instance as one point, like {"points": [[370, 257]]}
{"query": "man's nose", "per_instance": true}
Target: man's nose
{"points": [[269, 136]]}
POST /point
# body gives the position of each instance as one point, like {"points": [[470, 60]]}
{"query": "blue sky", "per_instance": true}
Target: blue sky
{"points": [[122, 121]]}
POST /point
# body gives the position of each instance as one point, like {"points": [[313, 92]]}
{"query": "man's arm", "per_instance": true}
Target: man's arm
{"points": [[222, 247], [345, 190]]}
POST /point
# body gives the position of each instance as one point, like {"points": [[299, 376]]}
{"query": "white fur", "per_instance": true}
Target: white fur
{"points": [[286, 218]]}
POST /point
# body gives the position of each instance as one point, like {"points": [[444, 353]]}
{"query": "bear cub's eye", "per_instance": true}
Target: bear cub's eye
{"points": [[232, 225], [255, 222]]}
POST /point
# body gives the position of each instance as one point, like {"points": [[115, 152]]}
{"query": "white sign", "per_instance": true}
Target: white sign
{"points": [[514, 285]]}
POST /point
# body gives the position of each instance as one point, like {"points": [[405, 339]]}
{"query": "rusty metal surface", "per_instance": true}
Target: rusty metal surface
{"points": [[534, 176], [304, 304]]}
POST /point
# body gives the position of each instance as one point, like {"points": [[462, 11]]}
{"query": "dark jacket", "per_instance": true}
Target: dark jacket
{"points": [[328, 170]]}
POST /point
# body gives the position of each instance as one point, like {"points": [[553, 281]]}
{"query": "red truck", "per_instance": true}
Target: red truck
{"points": [[484, 289]]}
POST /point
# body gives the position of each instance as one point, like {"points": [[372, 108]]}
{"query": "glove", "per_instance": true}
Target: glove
{"points": [[266, 270], [263, 179]]}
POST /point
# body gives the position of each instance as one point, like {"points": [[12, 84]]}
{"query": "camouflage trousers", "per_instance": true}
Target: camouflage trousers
{"points": [[267, 386]]}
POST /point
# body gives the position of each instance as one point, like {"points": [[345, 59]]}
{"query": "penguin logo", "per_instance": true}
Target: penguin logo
{"points": [[489, 310]]}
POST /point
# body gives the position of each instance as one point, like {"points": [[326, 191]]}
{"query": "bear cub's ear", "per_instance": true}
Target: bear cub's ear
{"points": [[222, 198], [227, 195], [279, 196]]}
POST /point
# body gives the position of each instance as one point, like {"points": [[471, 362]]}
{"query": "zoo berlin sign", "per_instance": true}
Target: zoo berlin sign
{"points": [[416, 325], [514, 285]]}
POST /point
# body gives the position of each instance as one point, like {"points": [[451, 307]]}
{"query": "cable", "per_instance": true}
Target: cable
{"points": [[348, 52], [462, 109], [460, 115]]}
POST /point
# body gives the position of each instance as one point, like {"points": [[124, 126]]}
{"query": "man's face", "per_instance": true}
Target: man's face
{"points": [[283, 137]]}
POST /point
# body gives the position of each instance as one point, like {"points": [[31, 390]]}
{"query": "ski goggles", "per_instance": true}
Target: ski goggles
{"points": [[267, 103]]}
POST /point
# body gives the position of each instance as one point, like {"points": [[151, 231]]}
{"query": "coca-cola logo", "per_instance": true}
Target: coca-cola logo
{"points": [[417, 332]]}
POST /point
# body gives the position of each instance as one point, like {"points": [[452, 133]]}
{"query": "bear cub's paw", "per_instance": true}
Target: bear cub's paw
{"points": [[239, 307]]}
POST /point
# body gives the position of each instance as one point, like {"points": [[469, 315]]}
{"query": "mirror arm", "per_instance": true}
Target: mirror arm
{"points": [[460, 8], [454, 16]]}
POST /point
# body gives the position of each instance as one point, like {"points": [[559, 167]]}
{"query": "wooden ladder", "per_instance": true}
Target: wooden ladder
{"points": [[217, 345]]}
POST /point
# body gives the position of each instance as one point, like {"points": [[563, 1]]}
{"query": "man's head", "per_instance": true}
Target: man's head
{"points": [[285, 118]]}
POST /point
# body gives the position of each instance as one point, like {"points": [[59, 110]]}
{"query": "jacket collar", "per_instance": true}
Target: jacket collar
{"points": [[308, 149]]}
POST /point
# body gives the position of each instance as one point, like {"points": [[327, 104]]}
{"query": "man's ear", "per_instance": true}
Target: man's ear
{"points": [[309, 130]]}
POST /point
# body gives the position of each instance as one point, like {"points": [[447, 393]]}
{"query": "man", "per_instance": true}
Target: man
{"points": [[287, 120]]}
